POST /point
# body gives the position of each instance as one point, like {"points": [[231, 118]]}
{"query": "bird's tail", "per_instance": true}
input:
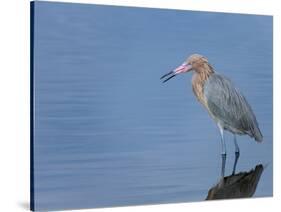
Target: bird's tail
{"points": [[257, 134]]}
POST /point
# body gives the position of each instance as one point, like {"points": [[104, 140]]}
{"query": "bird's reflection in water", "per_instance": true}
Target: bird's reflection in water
{"points": [[239, 185]]}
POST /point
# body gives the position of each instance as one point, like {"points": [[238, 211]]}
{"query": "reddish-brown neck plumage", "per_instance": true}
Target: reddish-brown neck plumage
{"points": [[201, 74]]}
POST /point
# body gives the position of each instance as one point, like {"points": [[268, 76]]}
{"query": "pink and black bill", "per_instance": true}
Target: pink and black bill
{"points": [[183, 68]]}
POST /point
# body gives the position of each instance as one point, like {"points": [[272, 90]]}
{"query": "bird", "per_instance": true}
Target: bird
{"points": [[223, 101]]}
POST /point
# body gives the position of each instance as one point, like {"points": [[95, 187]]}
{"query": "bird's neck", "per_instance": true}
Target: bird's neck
{"points": [[205, 70], [199, 78]]}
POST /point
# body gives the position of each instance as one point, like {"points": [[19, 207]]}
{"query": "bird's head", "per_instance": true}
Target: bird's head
{"points": [[194, 62]]}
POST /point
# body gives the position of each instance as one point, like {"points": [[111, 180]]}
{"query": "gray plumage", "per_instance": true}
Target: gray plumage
{"points": [[230, 108]]}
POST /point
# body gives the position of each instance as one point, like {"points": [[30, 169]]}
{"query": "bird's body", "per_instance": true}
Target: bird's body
{"points": [[230, 109], [225, 104], [223, 101]]}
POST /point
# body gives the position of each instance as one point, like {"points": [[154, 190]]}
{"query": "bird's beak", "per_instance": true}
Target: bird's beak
{"points": [[183, 68]]}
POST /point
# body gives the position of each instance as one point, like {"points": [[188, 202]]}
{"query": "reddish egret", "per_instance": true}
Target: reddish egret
{"points": [[223, 101]]}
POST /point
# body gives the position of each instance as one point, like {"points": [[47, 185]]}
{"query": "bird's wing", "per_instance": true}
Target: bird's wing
{"points": [[227, 104]]}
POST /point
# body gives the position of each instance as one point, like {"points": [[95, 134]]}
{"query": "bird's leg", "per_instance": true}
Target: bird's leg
{"points": [[237, 154], [223, 153], [223, 164]]}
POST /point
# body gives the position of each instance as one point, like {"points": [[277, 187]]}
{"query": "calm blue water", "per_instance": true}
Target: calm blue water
{"points": [[109, 133]]}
